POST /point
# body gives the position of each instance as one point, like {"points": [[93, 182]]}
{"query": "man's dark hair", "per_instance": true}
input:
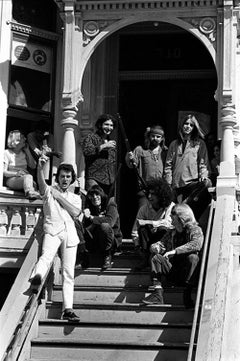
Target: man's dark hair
{"points": [[162, 190], [67, 168], [96, 189]]}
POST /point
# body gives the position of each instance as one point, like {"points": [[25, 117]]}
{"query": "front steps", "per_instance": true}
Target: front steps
{"points": [[114, 325]]}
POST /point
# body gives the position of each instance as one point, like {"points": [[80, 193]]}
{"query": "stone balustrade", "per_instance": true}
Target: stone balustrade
{"points": [[18, 216]]}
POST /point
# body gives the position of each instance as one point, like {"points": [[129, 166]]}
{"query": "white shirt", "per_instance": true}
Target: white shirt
{"points": [[15, 161], [56, 218]]}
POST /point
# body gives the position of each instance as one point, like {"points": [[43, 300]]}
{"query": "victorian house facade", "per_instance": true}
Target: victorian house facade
{"points": [[68, 61]]}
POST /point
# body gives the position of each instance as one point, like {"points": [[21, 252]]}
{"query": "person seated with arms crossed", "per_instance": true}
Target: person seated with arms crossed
{"points": [[102, 222], [176, 256], [153, 219], [17, 162], [60, 208]]}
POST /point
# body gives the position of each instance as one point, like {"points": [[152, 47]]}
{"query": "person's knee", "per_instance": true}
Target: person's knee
{"points": [[193, 258], [105, 227]]}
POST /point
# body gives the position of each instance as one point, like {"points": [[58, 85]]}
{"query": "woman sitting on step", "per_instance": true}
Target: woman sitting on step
{"points": [[17, 164], [102, 224], [176, 255]]}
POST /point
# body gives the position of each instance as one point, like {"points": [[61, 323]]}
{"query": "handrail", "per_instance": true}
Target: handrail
{"points": [[201, 280], [18, 297]]}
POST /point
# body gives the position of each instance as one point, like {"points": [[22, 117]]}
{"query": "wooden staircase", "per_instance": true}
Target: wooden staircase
{"points": [[114, 324]]}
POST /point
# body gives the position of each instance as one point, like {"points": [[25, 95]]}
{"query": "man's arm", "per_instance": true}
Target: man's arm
{"points": [[72, 209], [40, 175]]}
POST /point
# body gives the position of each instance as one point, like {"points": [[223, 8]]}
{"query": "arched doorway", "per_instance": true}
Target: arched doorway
{"points": [[148, 72], [163, 70]]}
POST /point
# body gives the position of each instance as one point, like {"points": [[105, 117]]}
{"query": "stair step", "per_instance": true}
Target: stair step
{"points": [[124, 313], [112, 277], [116, 294], [162, 332], [89, 350]]}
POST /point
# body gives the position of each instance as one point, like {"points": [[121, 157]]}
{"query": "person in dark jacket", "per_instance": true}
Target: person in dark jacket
{"points": [[176, 255], [100, 154], [102, 223]]}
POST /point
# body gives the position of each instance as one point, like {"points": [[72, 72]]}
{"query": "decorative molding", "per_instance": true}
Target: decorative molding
{"points": [[29, 30], [131, 5], [92, 27], [206, 25]]}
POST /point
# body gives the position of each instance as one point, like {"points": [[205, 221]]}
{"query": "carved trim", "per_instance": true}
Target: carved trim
{"points": [[92, 27], [206, 25], [28, 30], [130, 5]]}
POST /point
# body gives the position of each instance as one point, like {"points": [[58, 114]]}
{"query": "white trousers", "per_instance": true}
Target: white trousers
{"points": [[68, 259]]}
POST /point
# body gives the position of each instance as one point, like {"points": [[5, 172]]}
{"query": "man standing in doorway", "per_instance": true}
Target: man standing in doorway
{"points": [[60, 207]]}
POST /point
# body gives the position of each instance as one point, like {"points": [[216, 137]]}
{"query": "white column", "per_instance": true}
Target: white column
{"points": [[5, 46], [227, 179]]}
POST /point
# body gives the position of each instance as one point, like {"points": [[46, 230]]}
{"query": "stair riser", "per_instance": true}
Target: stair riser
{"points": [[142, 316], [115, 334], [116, 297], [113, 280], [102, 354]]}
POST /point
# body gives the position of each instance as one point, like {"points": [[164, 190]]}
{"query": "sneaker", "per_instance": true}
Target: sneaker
{"points": [[70, 316], [107, 262], [35, 283], [155, 298]]}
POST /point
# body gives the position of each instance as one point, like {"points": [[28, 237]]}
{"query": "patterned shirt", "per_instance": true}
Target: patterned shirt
{"points": [[100, 165]]}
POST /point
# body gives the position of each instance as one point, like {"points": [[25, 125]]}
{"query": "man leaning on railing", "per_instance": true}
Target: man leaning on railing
{"points": [[60, 207]]}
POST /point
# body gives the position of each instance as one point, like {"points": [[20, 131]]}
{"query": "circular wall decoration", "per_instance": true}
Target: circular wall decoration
{"points": [[91, 28], [39, 57], [22, 53], [207, 25]]}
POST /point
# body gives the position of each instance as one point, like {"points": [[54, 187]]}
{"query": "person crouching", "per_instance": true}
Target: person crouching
{"points": [[102, 223]]}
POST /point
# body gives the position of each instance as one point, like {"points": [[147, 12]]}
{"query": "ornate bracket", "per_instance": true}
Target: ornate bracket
{"points": [[206, 25]]}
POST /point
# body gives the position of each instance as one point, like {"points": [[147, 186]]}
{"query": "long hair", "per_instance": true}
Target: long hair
{"points": [[14, 137], [154, 129], [185, 215], [96, 189], [196, 132]]}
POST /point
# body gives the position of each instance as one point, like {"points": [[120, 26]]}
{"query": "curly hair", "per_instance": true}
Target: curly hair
{"points": [[103, 118], [162, 190]]}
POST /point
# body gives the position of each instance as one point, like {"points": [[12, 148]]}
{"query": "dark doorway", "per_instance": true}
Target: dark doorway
{"points": [[148, 102]]}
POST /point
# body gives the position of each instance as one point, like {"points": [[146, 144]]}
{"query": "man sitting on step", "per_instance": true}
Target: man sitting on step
{"points": [[153, 219], [176, 255], [60, 207]]}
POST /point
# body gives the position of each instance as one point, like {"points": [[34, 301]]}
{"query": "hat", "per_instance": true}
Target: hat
{"points": [[156, 129]]}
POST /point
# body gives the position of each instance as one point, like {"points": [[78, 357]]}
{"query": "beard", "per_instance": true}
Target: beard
{"points": [[154, 143]]}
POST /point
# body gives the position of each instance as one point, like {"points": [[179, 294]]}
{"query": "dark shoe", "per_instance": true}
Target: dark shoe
{"points": [[187, 299], [156, 298], [107, 262], [35, 283], [70, 316], [85, 260]]}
